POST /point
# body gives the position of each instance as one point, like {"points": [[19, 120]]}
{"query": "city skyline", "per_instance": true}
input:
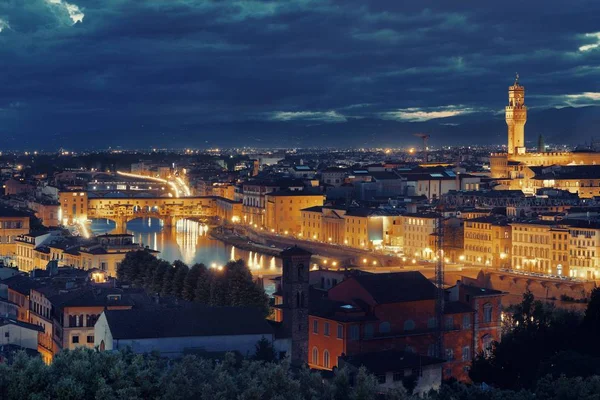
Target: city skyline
{"points": [[89, 74]]}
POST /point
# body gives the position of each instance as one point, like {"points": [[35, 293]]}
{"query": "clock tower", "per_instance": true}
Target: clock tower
{"points": [[516, 117]]}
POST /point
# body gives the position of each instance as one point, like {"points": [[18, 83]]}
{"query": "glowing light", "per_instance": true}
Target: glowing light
{"points": [[414, 261], [364, 260], [334, 263], [374, 262]]}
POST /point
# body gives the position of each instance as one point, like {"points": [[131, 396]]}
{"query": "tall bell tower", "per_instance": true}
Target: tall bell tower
{"points": [[516, 117], [295, 287]]}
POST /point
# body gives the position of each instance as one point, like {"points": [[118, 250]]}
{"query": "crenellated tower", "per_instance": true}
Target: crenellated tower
{"points": [[516, 117]]}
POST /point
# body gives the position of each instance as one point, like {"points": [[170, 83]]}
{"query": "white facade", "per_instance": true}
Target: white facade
{"points": [[19, 336], [175, 346]]}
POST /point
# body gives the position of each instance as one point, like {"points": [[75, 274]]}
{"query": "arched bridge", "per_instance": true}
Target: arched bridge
{"points": [[169, 210]]}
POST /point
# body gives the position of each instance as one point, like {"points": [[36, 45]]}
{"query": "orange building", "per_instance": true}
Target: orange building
{"points": [[13, 223], [376, 312], [283, 209]]}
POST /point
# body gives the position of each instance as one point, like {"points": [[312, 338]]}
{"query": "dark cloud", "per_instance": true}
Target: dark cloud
{"points": [[89, 73]]}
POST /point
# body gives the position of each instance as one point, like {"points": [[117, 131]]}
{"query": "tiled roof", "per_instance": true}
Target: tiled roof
{"points": [[397, 287]]}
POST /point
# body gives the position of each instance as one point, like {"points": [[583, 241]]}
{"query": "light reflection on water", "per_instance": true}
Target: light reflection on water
{"points": [[190, 243]]}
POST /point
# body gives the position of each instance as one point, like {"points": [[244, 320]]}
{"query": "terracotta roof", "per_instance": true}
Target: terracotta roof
{"points": [[397, 287]]}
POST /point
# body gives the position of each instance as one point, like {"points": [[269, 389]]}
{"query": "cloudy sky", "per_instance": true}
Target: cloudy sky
{"points": [[199, 73]]}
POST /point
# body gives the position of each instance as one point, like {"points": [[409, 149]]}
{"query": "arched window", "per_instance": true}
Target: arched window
{"points": [[409, 325], [486, 344], [384, 327], [487, 312], [102, 346], [315, 356], [326, 358]]}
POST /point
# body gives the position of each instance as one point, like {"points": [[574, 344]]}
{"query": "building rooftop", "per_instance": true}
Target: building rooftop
{"points": [[8, 212], [288, 192], [491, 219], [11, 321], [294, 251], [21, 284], [476, 291], [317, 209], [396, 287], [185, 322]]}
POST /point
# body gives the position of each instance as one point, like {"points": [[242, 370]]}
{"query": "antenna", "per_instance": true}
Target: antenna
{"points": [[425, 138], [439, 283]]}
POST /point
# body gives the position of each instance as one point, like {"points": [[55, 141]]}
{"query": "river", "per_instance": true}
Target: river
{"points": [[190, 243]]}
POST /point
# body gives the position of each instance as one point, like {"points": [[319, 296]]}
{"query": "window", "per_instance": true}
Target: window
{"points": [[466, 353], [466, 321], [315, 356], [315, 326], [326, 328], [369, 330], [340, 331], [90, 339], [486, 344], [354, 332], [326, 358], [75, 339], [449, 322], [409, 325], [449, 354], [384, 327], [398, 376], [487, 312]]}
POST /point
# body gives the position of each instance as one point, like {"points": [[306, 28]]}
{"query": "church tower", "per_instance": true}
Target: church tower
{"points": [[295, 290], [516, 117]]}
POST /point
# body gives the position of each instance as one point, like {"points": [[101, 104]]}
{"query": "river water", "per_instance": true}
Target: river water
{"points": [[190, 243]]}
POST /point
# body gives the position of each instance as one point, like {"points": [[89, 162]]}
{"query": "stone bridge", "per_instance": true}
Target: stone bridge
{"points": [[169, 210]]}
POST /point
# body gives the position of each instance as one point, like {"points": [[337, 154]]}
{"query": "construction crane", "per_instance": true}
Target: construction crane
{"points": [[440, 293], [425, 138]]}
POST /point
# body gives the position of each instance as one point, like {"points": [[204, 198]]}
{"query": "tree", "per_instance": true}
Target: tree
{"points": [[191, 280], [591, 319], [158, 277], [264, 351], [535, 334], [167, 281], [179, 278], [133, 267], [202, 292]]}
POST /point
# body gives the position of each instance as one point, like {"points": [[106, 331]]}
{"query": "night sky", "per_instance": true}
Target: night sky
{"points": [[177, 73]]}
